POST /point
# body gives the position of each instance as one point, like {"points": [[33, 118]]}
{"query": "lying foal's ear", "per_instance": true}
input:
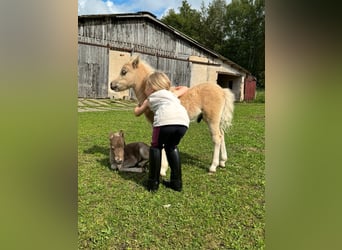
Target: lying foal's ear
{"points": [[121, 133], [111, 135]]}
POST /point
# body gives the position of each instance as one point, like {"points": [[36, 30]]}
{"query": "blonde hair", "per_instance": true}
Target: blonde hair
{"points": [[158, 80]]}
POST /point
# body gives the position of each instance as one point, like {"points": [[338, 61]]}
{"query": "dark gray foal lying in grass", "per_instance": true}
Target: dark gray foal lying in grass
{"points": [[127, 158]]}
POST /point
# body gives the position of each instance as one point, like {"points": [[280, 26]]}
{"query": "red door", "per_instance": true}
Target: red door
{"points": [[250, 87]]}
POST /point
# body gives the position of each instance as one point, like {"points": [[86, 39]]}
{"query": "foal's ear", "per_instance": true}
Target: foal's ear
{"points": [[135, 62], [111, 135], [121, 133]]}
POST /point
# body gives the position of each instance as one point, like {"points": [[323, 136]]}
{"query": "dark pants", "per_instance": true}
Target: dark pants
{"points": [[167, 137]]}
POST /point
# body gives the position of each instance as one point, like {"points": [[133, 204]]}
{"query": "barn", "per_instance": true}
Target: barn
{"points": [[106, 42]]}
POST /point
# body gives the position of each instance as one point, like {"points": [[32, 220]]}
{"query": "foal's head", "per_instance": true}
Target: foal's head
{"points": [[117, 147], [131, 74]]}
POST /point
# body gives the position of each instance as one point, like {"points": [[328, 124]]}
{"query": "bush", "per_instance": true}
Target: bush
{"points": [[260, 96]]}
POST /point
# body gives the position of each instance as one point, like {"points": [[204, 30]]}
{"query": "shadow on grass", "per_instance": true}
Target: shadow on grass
{"points": [[95, 149], [138, 178], [193, 162], [141, 178]]}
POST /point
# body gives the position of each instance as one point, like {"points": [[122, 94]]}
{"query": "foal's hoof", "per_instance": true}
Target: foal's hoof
{"points": [[222, 164], [211, 172]]}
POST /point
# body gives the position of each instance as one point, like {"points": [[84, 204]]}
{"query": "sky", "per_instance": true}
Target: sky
{"points": [[158, 8]]}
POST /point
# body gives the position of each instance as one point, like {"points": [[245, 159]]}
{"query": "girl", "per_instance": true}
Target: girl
{"points": [[170, 123]]}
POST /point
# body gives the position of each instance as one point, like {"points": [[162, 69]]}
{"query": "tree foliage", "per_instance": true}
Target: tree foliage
{"points": [[186, 20], [235, 30]]}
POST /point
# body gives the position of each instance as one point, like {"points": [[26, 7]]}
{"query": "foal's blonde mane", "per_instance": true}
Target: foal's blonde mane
{"points": [[144, 69]]}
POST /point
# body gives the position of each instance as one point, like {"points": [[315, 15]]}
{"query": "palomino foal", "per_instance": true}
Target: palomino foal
{"points": [[207, 101]]}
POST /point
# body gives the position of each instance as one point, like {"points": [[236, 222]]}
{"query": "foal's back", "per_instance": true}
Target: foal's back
{"points": [[202, 98]]}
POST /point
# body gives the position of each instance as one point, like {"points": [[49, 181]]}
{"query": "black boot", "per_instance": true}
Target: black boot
{"points": [[176, 172], [154, 172]]}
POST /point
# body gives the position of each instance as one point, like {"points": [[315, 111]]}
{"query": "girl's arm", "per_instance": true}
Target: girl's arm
{"points": [[138, 110], [179, 90]]}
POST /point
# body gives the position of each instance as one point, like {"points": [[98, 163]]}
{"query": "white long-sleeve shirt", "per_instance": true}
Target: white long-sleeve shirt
{"points": [[167, 109]]}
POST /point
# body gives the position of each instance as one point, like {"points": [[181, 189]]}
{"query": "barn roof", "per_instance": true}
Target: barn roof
{"points": [[149, 16]]}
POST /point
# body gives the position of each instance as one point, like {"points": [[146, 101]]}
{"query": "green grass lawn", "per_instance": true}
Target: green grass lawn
{"points": [[221, 211]]}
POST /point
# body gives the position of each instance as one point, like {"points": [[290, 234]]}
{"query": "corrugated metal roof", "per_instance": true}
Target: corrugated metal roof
{"points": [[153, 18]]}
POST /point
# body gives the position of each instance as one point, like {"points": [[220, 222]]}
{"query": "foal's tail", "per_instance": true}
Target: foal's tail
{"points": [[228, 109]]}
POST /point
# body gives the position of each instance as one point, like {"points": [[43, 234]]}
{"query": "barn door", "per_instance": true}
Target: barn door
{"points": [[92, 71], [88, 80], [116, 60]]}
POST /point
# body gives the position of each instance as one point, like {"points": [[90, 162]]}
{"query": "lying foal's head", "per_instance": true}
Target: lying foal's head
{"points": [[117, 148]]}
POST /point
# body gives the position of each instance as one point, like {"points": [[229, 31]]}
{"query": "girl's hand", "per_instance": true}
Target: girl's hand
{"points": [[138, 110]]}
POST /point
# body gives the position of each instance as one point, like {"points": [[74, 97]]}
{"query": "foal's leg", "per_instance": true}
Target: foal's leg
{"points": [[132, 170], [223, 156], [129, 162], [142, 163], [129, 166], [217, 139], [213, 118], [164, 164]]}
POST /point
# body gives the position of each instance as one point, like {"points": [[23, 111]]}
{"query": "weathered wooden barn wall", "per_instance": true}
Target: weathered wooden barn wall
{"points": [[161, 49], [92, 71], [179, 72], [184, 60]]}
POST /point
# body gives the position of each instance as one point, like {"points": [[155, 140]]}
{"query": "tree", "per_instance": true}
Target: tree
{"points": [[213, 32], [245, 30], [187, 21], [235, 30]]}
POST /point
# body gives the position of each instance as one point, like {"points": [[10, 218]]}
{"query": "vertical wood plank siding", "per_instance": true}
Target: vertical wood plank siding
{"points": [[92, 71], [161, 48]]}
